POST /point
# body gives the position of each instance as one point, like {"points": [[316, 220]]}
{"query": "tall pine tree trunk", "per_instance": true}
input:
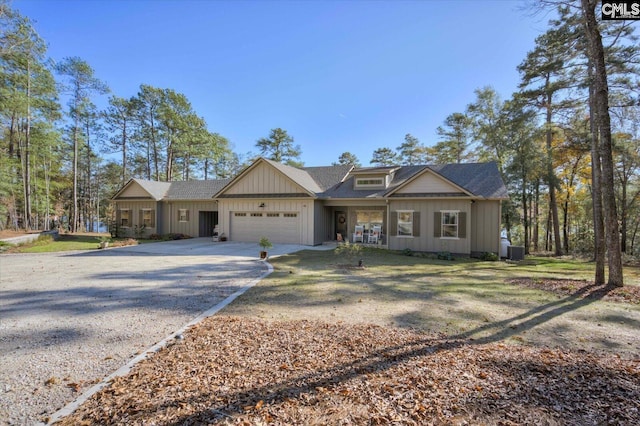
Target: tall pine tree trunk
{"points": [[551, 178], [603, 122], [596, 188], [26, 155]]}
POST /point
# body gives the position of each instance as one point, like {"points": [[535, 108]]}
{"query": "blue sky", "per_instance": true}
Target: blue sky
{"points": [[337, 75]]}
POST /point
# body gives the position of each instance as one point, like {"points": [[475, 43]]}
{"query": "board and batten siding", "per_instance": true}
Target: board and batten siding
{"points": [[323, 223], [264, 179], [426, 242], [134, 190], [485, 227], [190, 227], [304, 208], [428, 183], [135, 207]]}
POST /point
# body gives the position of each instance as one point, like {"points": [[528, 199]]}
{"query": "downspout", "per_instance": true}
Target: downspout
{"points": [[499, 225], [388, 218]]}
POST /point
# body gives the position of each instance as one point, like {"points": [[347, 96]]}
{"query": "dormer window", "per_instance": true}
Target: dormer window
{"points": [[369, 182]]}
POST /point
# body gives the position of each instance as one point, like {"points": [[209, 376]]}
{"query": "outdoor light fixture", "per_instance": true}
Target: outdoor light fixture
{"points": [[261, 205]]}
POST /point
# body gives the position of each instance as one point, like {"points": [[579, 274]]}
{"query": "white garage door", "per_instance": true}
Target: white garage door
{"points": [[278, 227]]}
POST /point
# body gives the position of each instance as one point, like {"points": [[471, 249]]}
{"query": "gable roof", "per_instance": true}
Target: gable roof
{"points": [[476, 180], [177, 190], [480, 179], [156, 190]]}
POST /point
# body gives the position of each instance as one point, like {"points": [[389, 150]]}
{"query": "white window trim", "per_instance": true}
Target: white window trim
{"points": [[180, 215], [398, 224], [442, 224]]}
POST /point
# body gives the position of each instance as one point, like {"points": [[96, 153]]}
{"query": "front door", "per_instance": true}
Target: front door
{"points": [[341, 224]]}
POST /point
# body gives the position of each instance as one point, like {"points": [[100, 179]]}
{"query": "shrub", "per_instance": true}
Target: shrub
{"points": [[265, 243], [125, 242], [348, 250], [489, 257], [407, 252]]}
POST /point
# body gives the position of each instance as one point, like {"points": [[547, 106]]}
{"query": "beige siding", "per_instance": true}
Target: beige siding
{"points": [[485, 227], [190, 227], [134, 217], [426, 242], [305, 210], [134, 190], [428, 183], [264, 179]]}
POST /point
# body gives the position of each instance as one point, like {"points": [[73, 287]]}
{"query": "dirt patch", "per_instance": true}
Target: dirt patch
{"points": [[582, 289], [230, 370]]}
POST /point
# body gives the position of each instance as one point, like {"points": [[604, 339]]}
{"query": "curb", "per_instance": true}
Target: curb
{"points": [[125, 369]]}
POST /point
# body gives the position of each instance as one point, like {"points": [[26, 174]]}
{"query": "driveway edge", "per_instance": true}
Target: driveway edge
{"points": [[125, 369]]}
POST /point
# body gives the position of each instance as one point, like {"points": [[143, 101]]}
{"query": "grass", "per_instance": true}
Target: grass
{"points": [[464, 297], [65, 242]]}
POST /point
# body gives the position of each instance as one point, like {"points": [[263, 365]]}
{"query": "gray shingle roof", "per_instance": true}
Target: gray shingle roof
{"points": [[328, 176], [481, 179], [157, 189], [195, 189]]}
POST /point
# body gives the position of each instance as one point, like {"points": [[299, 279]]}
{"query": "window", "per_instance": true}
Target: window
{"points": [[240, 214], [124, 218], [290, 214], [147, 218], [256, 214], [405, 223], [273, 214], [449, 224], [183, 215], [364, 182], [369, 218]]}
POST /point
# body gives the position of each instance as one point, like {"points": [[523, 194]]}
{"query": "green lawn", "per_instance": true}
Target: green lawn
{"points": [[461, 298], [65, 242]]}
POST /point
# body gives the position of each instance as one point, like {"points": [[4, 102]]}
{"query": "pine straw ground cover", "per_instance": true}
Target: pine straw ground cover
{"points": [[231, 370]]}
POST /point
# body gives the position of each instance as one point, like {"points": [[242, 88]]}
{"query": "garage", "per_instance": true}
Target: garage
{"points": [[279, 227]]}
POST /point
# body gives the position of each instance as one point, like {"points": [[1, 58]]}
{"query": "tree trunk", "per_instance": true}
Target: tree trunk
{"points": [[26, 155], [551, 178], [525, 215], [73, 219], [536, 215], [596, 188], [603, 122], [623, 219]]}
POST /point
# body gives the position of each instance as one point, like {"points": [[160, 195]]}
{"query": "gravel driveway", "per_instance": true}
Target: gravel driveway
{"points": [[69, 319]]}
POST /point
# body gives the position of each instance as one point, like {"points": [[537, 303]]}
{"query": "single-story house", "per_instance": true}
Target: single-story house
{"points": [[429, 208]]}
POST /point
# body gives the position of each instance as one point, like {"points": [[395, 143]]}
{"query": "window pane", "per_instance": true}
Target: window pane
{"points": [[405, 217], [146, 217], [362, 217], [376, 217], [404, 228], [450, 231], [124, 217], [449, 218], [405, 223]]}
